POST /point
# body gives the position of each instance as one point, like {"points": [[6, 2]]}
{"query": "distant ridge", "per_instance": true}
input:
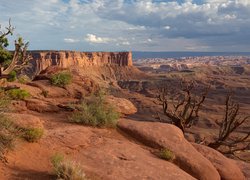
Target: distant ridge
{"points": [[142, 55]]}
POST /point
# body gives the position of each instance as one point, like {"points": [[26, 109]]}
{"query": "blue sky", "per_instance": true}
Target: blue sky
{"points": [[141, 25]]}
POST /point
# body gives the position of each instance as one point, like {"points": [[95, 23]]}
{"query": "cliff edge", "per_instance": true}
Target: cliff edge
{"points": [[40, 60]]}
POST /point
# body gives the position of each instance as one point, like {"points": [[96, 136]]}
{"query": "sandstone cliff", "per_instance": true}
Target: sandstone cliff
{"points": [[40, 60]]}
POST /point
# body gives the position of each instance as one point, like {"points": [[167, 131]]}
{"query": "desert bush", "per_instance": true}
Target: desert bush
{"points": [[18, 94], [45, 93], [96, 113], [61, 79], [12, 76], [32, 134], [8, 134], [166, 154], [66, 169], [23, 79]]}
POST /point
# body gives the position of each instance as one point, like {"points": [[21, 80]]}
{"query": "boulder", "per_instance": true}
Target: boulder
{"points": [[227, 169], [25, 120], [122, 105], [162, 135]]}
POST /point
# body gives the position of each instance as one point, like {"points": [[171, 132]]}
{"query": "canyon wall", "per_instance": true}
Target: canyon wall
{"points": [[42, 59]]}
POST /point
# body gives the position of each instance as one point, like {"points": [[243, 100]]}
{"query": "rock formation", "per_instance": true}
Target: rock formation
{"points": [[40, 60]]}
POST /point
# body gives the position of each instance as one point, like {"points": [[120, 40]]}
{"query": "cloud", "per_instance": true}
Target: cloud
{"points": [[71, 40], [94, 39]]}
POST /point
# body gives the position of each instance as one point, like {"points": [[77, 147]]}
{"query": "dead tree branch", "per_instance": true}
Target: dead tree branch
{"points": [[230, 123], [185, 105]]}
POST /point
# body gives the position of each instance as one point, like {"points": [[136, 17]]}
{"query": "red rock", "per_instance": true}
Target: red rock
{"points": [[227, 169], [245, 168], [162, 135]]}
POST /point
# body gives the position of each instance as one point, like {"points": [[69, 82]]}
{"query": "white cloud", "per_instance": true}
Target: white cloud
{"points": [[125, 43], [94, 39], [71, 40], [167, 27]]}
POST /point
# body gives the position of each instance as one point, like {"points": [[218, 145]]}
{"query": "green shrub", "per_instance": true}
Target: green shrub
{"points": [[23, 79], [65, 169], [61, 79], [96, 113], [166, 155], [45, 93], [33, 134], [18, 94], [12, 76]]}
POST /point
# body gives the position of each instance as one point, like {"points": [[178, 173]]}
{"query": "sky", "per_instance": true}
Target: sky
{"points": [[124, 25]]}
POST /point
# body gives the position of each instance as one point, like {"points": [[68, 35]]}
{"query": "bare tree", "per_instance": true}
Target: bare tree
{"points": [[20, 57], [4, 34], [231, 122], [185, 104]]}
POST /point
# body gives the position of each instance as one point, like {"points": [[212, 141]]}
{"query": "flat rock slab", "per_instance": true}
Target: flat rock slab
{"points": [[162, 135]]}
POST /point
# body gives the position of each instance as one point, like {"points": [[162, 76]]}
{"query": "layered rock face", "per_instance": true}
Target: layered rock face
{"points": [[65, 59]]}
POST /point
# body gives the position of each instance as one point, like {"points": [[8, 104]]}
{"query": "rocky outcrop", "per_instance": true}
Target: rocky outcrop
{"points": [[40, 60], [163, 135]]}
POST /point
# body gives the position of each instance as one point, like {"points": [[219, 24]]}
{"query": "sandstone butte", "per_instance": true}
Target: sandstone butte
{"points": [[65, 59]]}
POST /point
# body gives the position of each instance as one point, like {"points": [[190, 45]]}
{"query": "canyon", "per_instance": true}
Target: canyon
{"points": [[129, 151]]}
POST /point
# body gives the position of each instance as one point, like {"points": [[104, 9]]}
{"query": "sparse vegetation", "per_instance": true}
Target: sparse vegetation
{"points": [[61, 79], [96, 113], [45, 93], [32, 134], [7, 135], [18, 94], [23, 79], [7, 128], [12, 76], [166, 154], [66, 169]]}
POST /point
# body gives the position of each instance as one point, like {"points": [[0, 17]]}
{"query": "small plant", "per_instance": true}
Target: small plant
{"points": [[12, 76], [45, 93], [61, 79], [96, 113], [65, 169], [33, 134], [166, 154], [18, 94], [23, 79]]}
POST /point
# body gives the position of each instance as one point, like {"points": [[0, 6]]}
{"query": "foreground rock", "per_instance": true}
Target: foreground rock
{"points": [[226, 167], [162, 135]]}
